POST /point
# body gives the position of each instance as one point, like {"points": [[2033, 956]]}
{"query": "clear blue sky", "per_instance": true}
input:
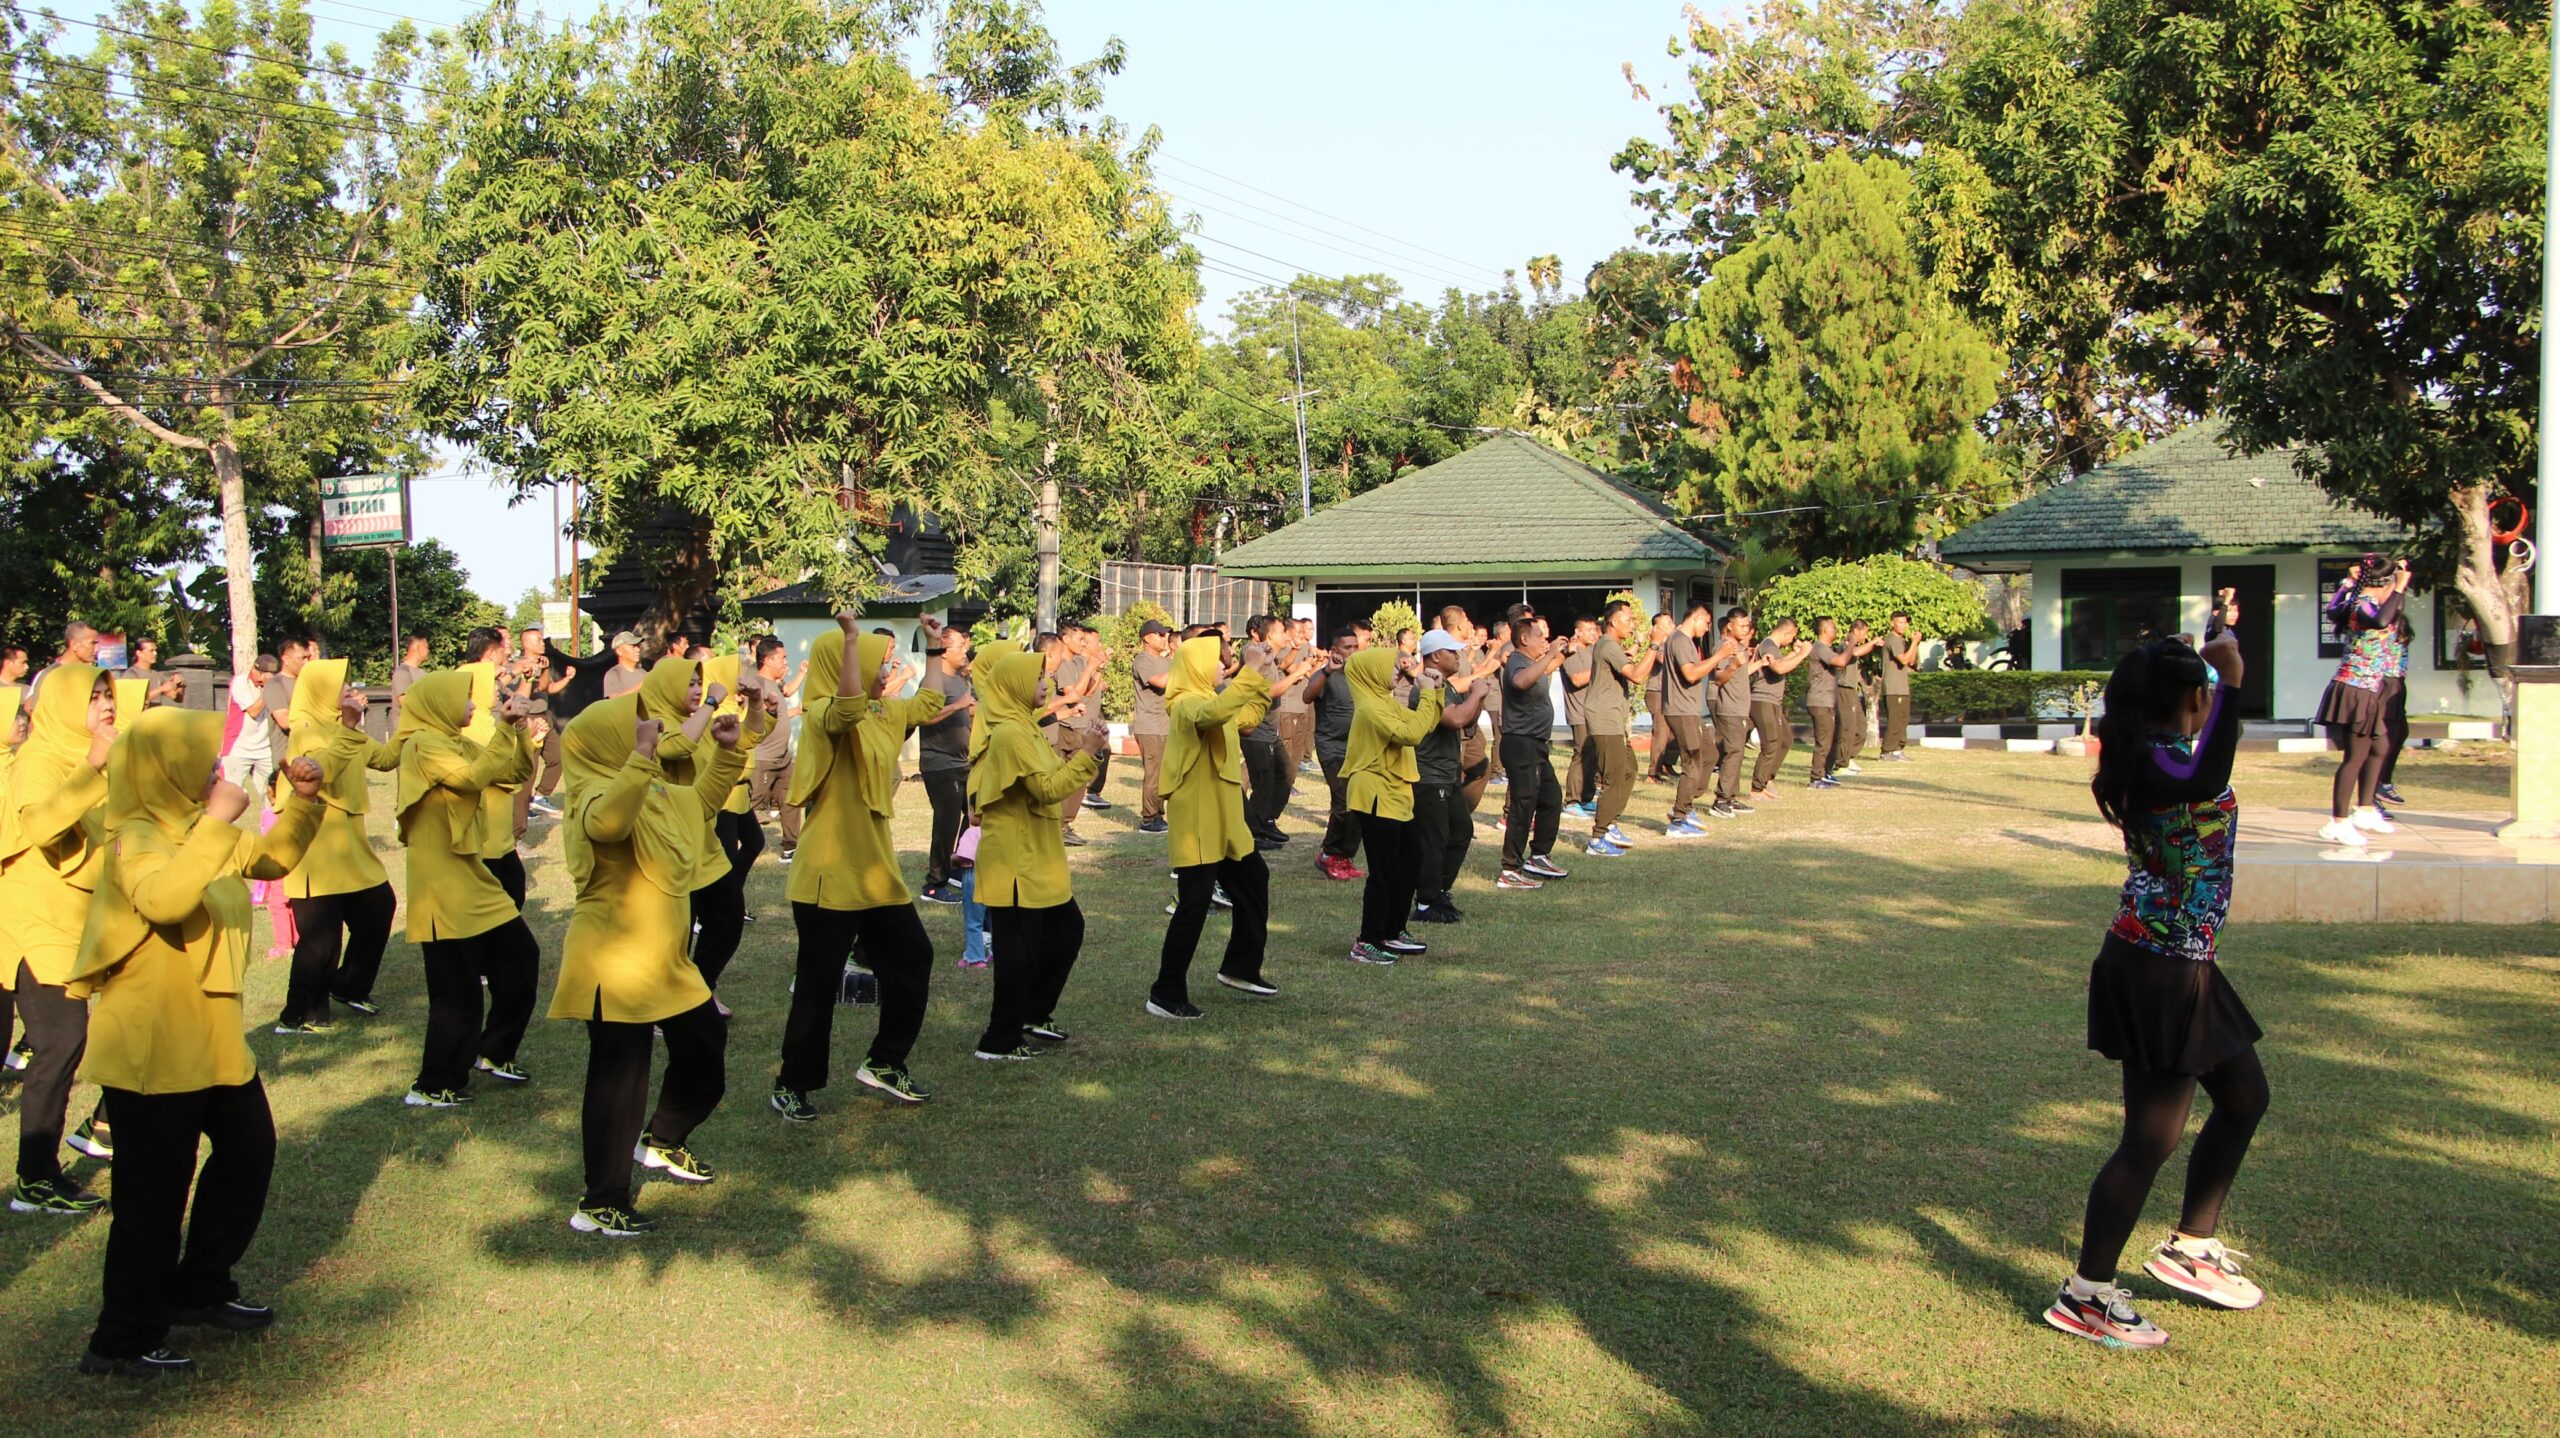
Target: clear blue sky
{"points": [[1440, 142]]}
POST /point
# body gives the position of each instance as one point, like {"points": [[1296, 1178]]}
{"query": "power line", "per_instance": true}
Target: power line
{"points": [[204, 250], [254, 58], [259, 106], [1310, 209], [1334, 244]]}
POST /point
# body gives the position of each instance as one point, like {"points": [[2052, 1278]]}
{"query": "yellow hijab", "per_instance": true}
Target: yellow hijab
{"points": [[1196, 663], [876, 772], [315, 724], [57, 744], [667, 842], [432, 716], [1005, 746], [1372, 673], [662, 697], [156, 780]]}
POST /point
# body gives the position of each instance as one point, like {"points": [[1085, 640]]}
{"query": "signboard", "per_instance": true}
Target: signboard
{"points": [[2333, 637], [112, 653], [364, 511]]}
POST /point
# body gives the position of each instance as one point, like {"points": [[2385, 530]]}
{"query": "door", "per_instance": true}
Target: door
{"points": [[2253, 587]]}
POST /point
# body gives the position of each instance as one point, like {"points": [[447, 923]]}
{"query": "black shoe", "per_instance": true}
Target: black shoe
{"points": [[2389, 794], [1430, 914], [1445, 912], [945, 892], [149, 1365], [1174, 1009], [366, 1007], [1153, 826], [236, 1315], [793, 1104], [1046, 1031], [1259, 988], [1096, 801]]}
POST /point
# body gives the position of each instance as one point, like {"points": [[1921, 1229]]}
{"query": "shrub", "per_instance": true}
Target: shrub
{"points": [[1983, 696], [1120, 632], [1941, 605], [1391, 617]]}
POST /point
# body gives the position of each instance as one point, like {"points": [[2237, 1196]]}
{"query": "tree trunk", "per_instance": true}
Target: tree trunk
{"points": [[317, 607], [686, 577], [2084, 440], [2495, 599], [239, 567]]}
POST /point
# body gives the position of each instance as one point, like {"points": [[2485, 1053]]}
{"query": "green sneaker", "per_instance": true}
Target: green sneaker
{"points": [[892, 1080], [440, 1098], [503, 1073], [62, 1197], [92, 1138], [672, 1159], [794, 1105], [612, 1222], [312, 1027]]}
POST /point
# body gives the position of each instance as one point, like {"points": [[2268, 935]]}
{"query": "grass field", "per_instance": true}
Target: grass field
{"points": [[1785, 1131]]}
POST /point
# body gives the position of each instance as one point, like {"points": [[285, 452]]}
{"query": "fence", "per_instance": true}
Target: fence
{"points": [[1191, 593]]}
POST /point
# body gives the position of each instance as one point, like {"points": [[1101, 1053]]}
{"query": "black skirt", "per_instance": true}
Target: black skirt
{"points": [[2162, 1013], [2351, 710]]}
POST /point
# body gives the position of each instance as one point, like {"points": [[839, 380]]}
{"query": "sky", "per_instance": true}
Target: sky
{"points": [[1442, 143]]}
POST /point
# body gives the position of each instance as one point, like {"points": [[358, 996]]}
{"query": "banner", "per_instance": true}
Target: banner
{"points": [[364, 511]]}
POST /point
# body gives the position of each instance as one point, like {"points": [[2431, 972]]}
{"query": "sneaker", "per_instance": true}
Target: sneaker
{"points": [[1498, 781], [62, 1197], [2389, 794], [610, 1221], [1174, 1009], [233, 1315], [1259, 988], [1722, 809], [1601, 848], [312, 1027], [1825, 782], [2206, 1270], [439, 1098], [1071, 838], [1684, 827], [149, 1365], [1406, 946], [1265, 844], [1368, 953], [1619, 837], [545, 807], [1455, 914], [2372, 821], [366, 1007], [1514, 879], [1158, 826], [672, 1159], [2105, 1316], [1900, 756], [892, 1080], [1765, 796], [508, 1072], [1218, 897], [1542, 866], [20, 1053], [945, 892], [2343, 831], [782, 856], [1849, 768], [1019, 1053], [1580, 810], [793, 1104], [1738, 807], [1096, 801], [93, 1139], [1431, 914], [1046, 1031], [1339, 870]]}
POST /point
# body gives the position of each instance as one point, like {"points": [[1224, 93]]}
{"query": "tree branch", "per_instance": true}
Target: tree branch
{"points": [[62, 364]]}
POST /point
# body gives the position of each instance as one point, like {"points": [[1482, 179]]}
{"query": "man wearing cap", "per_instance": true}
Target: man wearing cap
{"points": [[626, 673], [1149, 724]]}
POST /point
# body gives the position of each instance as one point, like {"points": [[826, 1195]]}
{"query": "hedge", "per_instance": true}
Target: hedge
{"points": [[1984, 696]]}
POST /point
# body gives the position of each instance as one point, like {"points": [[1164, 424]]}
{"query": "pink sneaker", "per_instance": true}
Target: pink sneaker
{"points": [[2210, 1272], [2105, 1316]]}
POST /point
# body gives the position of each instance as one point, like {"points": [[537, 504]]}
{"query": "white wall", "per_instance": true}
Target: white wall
{"points": [[2301, 673]]}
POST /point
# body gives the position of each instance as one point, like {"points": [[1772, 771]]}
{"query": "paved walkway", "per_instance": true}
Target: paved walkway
{"points": [[2440, 868]]}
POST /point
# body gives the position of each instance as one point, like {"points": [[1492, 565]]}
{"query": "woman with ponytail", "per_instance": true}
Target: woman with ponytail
{"points": [[2356, 707], [2158, 1002]]}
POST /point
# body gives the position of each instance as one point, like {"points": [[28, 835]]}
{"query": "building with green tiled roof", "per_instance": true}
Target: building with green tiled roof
{"points": [[2137, 547], [1506, 521]]}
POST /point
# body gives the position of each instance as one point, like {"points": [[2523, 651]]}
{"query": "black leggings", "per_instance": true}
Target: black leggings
{"points": [[2358, 772], [1248, 885], [1395, 868], [1034, 951], [511, 961], [614, 1113], [337, 951], [58, 1031], [719, 918], [2155, 1118], [2395, 727], [896, 948], [508, 870], [163, 1257]]}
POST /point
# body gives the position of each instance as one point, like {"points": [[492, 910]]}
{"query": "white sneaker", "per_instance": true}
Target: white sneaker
{"points": [[2343, 831], [2372, 821]]}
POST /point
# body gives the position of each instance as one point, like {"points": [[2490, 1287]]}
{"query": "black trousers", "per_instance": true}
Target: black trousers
{"points": [[1341, 829], [742, 835], [2155, 1118], [947, 790], [149, 1275], [2395, 727], [1535, 802], [719, 919], [511, 961], [1395, 866], [894, 942], [1033, 952], [1444, 821], [508, 869], [615, 1112], [58, 1031], [1267, 783], [1248, 885], [337, 951]]}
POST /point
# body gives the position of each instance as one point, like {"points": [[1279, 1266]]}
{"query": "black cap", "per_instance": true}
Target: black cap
{"points": [[1154, 626]]}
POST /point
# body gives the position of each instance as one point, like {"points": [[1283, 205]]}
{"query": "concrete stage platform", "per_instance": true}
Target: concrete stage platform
{"points": [[2439, 869]]}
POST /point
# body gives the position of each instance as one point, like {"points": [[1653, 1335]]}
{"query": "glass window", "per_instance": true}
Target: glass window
{"points": [[2107, 613]]}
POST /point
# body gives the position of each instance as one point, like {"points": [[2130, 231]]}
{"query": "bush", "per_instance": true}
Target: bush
{"points": [[1983, 696], [1121, 633], [1393, 616], [1941, 605]]}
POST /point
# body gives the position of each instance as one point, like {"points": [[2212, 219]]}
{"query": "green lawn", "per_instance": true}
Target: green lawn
{"points": [[1785, 1131]]}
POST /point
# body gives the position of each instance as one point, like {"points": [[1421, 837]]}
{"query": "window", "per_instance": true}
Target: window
{"points": [[2107, 613]]}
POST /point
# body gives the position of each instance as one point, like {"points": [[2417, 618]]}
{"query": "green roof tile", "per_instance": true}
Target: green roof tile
{"points": [[2184, 492], [1507, 501]]}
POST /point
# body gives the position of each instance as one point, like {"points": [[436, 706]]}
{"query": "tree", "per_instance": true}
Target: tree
{"points": [[1836, 384], [199, 225], [87, 532], [731, 255], [1941, 605], [2348, 198]]}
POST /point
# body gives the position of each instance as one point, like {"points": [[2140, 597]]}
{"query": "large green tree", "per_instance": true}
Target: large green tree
{"points": [[1836, 383], [87, 531]]}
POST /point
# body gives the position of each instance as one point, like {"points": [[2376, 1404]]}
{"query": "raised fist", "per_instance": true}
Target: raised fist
{"points": [[351, 707], [304, 775], [644, 738], [724, 731], [226, 801]]}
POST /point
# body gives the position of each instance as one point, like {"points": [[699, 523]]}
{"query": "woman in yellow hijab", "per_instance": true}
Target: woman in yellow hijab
{"points": [[460, 917], [52, 845], [684, 695], [639, 853], [341, 898], [1202, 779], [845, 885], [1379, 764], [1015, 783], [164, 948]]}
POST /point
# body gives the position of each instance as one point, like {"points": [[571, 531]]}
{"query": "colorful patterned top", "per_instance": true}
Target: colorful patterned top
{"points": [[2395, 654], [2372, 629], [2178, 845]]}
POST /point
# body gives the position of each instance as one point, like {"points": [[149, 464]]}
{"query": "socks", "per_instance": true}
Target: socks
{"points": [[2079, 1287]]}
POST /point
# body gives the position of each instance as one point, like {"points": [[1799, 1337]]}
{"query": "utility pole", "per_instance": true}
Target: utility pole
{"points": [[2546, 492], [577, 627], [1047, 620], [1298, 367], [394, 553]]}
